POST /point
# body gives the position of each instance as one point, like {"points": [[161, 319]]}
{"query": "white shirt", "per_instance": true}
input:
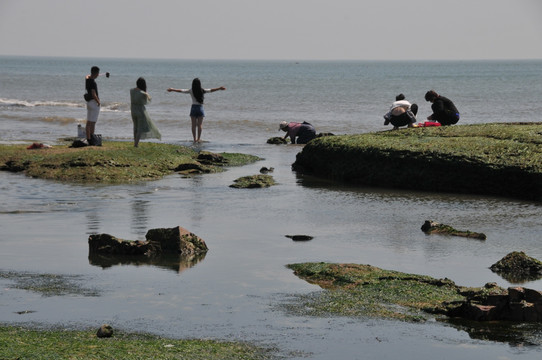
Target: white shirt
{"points": [[189, 91]]}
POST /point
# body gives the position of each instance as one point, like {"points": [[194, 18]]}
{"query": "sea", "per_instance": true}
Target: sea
{"points": [[242, 290]]}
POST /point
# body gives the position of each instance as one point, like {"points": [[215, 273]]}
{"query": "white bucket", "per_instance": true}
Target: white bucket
{"points": [[81, 132]]}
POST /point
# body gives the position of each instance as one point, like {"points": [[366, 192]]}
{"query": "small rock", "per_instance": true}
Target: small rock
{"points": [[300, 237], [265, 170], [105, 331], [253, 182], [277, 140]]}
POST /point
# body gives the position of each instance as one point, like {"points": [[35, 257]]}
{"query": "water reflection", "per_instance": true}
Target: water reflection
{"points": [[177, 263], [93, 221], [514, 334], [518, 278], [139, 216]]}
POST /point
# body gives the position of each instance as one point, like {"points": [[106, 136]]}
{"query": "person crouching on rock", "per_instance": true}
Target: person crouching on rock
{"points": [[444, 110], [402, 113], [304, 131]]}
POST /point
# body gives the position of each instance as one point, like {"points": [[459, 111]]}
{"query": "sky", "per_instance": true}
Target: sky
{"points": [[273, 29]]}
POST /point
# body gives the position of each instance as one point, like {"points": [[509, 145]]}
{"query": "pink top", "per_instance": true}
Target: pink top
{"points": [[293, 128]]}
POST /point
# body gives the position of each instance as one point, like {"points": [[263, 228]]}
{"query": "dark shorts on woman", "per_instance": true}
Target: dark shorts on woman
{"points": [[197, 111]]}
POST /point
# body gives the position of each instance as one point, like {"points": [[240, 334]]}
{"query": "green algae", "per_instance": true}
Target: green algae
{"points": [[253, 182], [496, 159], [364, 290], [24, 343], [112, 163]]}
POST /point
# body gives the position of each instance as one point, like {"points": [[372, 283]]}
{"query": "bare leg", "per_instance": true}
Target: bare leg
{"points": [[136, 139], [199, 124], [89, 128], [194, 124]]}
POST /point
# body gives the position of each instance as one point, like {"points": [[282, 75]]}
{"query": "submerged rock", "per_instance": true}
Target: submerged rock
{"points": [[253, 182], [277, 140], [265, 170], [175, 240], [300, 237], [518, 267], [432, 227]]}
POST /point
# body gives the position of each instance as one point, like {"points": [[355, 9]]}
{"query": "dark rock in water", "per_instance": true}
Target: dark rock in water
{"points": [[209, 158], [277, 140], [324, 134], [493, 303], [300, 237], [175, 240], [265, 170], [109, 244], [191, 168], [432, 227], [253, 182], [518, 267], [105, 331]]}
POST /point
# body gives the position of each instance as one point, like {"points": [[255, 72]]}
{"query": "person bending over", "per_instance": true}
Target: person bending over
{"points": [[304, 132], [402, 113]]}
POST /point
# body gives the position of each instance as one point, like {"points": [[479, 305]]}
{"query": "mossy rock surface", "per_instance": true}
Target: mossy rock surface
{"points": [[518, 267], [495, 159], [253, 182], [114, 162]]}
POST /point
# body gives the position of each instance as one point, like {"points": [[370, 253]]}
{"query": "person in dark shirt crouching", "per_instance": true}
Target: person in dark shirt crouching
{"points": [[444, 110]]}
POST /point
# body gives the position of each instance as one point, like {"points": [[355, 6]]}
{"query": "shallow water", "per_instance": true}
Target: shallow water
{"points": [[235, 291]]}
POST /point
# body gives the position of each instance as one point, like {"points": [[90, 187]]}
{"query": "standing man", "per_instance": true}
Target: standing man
{"points": [[444, 110], [93, 103]]}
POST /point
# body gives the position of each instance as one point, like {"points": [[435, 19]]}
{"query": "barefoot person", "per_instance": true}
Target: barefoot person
{"points": [[196, 112], [144, 127]]}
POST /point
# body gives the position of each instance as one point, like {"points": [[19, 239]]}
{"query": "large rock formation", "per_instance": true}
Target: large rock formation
{"points": [[493, 303], [175, 240]]}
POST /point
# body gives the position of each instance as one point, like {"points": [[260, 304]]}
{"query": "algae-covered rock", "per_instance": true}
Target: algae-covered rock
{"points": [[474, 159], [432, 227], [354, 289], [277, 140], [518, 267], [253, 182]]}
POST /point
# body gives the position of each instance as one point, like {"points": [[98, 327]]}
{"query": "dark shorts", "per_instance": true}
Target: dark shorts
{"points": [[449, 118], [401, 120], [197, 111]]}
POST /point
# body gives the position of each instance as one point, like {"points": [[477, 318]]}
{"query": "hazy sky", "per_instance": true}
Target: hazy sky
{"points": [[273, 29]]}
